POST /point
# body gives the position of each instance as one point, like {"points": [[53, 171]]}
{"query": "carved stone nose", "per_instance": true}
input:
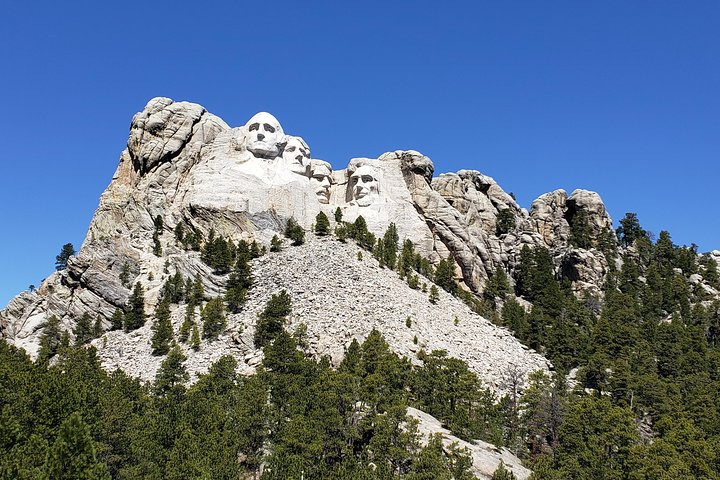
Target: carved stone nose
{"points": [[260, 136]]}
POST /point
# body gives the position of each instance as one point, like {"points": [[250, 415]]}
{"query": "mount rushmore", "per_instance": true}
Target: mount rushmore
{"points": [[187, 167]]}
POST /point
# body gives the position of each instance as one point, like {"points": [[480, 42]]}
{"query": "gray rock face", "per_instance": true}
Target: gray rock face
{"points": [[486, 457], [190, 169]]}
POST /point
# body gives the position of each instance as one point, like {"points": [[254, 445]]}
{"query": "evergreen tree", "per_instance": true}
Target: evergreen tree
{"points": [[390, 246], [294, 232], [505, 222], [50, 339], [73, 455], [197, 292], [66, 252], [188, 322], [83, 329], [125, 274], [497, 286], [213, 318], [338, 215], [407, 258], [322, 224], [172, 373], [275, 244], [135, 311], [195, 338], [580, 233], [445, 275], [173, 289], [239, 283], [117, 320], [271, 321], [502, 473], [162, 329], [434, 295], [98, 327], [431, 463], [630, 230]]}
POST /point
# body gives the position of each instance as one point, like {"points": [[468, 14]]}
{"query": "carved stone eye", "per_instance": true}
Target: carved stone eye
{"points": [[269, 128], [290, 149], [254, 126], [367, 178]]}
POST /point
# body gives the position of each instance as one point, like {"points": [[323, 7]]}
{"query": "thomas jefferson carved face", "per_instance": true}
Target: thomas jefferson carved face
{"points": [[296, 155], [364, 185], [320, 178], [264, 135]]}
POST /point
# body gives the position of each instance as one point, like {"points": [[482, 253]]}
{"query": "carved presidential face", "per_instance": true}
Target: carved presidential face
{"points": [[364, 185], [320, 177], [264, 135], [296, 155]]}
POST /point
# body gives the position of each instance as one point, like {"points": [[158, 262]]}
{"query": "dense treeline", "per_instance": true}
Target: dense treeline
{"points": [[297, 415]]}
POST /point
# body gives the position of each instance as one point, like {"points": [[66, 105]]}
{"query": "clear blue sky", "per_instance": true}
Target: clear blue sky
{"points": [[618, 97]]}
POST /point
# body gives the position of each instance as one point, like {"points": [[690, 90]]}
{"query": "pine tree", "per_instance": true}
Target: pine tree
{"points": [[135, 311], [83, 329], [213, 318], [338, 215], [502, 473], [294, 232], [434, 295], [630, 230], [73, 456], [98, 327], [239, 283], [322, 224], [390, 246], [188, 323], [197, 293], [66, 252], [504, 222], [162, 329], [195, 338], [50, 339], [125, 274], [445, 275], [172, 372], [275, 244], [497, 286], [271, 321], [117, 320]]}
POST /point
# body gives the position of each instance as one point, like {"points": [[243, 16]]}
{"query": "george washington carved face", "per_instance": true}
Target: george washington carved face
{"points": [[264, 135]]}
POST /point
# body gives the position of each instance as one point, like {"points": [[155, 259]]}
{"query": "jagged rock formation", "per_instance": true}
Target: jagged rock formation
{"points": [[185, 167]]}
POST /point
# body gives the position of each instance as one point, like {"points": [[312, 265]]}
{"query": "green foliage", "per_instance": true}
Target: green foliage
{"points": [[434, 295], [580, 232], [213, 318], [272, 320], [50, 339], [125, 274], [322, 224], [338, 215], [83, 329], [187, 324], [171, 375], [117, 320], [294, 232], [195, 338], [218, 253], [134, 317], [502, 473], [162, 329], [359, 232], [72, 455], [275, 244], [390, 247], [159, 225], [630, 230], [445, 275], [66, 252], [505, 222], [240, 281], [497, 286]]}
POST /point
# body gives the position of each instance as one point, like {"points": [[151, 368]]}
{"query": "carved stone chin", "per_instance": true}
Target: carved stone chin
{"points": [[296, 156], [264, 135], [320, 178], [364, 185]]}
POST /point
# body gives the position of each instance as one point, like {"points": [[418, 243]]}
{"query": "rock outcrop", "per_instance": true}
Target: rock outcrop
{"points": [[185, 169]]}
